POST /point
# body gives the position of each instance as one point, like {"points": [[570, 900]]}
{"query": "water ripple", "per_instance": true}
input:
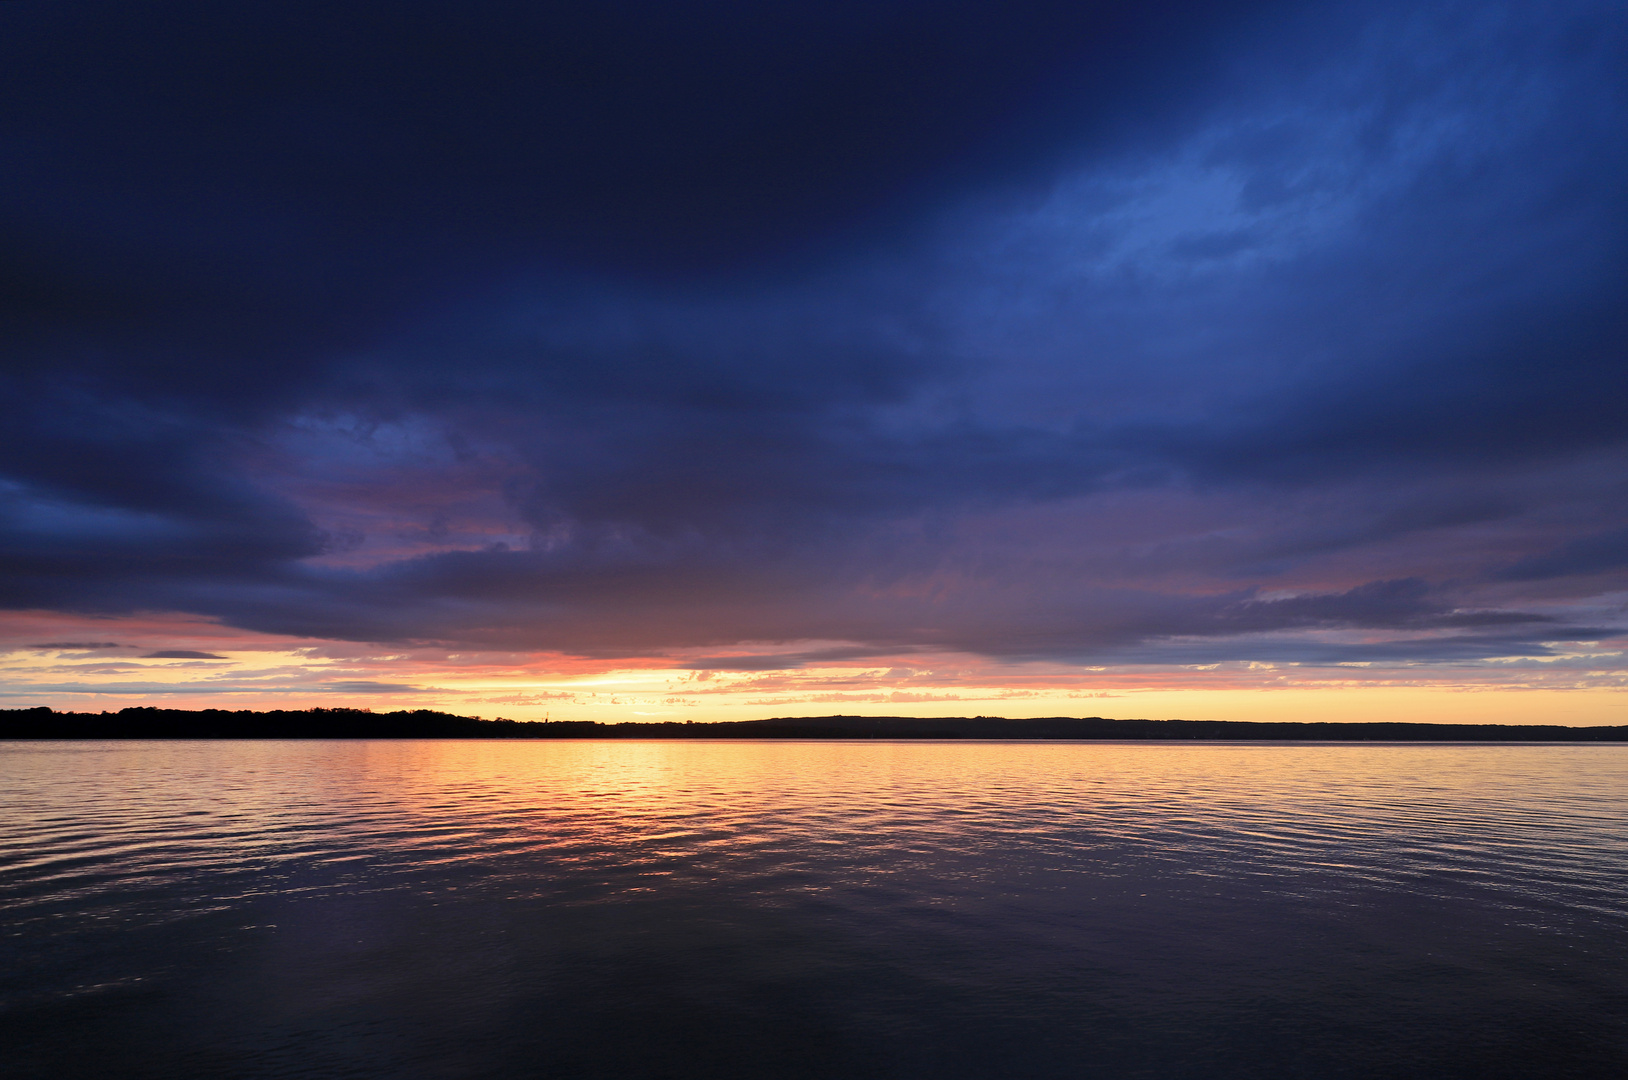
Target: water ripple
{"points": [[819, 909]]}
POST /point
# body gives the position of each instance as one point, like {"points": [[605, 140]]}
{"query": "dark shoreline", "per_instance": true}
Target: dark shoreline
{"points": [[143, 722]]}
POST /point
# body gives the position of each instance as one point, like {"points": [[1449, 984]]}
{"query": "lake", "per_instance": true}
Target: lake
{"points": [[676, 910]]}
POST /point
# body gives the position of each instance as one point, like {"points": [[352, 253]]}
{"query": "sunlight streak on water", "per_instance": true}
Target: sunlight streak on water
{"points": [[681, 909]]}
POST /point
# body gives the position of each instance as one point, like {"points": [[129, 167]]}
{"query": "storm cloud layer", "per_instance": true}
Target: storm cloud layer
{"points": [[1179, 333]]}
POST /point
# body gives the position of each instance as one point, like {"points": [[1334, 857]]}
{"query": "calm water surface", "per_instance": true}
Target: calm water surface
{"points": [[847, 910]]}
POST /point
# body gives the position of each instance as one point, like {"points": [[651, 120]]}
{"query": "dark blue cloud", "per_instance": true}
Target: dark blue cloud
{"points": [[734, 324], [1597, 554]]}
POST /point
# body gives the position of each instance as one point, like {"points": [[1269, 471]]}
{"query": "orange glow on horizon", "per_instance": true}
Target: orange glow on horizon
{"points": [[92, 664]]}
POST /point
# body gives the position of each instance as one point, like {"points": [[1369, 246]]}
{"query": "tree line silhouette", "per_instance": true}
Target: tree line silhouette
{"points": [[148, 722]]}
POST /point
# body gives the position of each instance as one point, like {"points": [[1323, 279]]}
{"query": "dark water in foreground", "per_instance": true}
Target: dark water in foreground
{"points": [[845, 910]]}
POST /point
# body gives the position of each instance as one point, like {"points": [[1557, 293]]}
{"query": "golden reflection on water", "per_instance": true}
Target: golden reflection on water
{"points": [[648, 802], [813, 909]]}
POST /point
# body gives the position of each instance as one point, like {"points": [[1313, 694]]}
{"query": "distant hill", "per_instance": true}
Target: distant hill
{"points": [[145, 722]]}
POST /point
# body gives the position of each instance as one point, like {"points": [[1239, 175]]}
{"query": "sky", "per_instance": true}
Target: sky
{"points": [[682, 361]]}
